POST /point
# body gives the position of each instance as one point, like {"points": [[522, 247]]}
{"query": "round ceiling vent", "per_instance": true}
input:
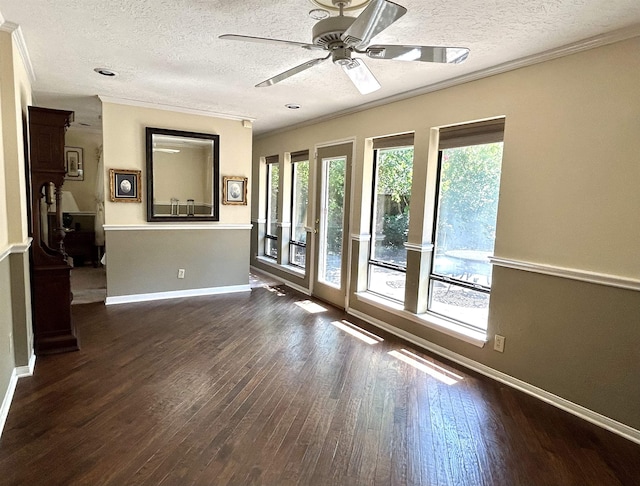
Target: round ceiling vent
{"points": [[352, 5], [105, 71]]}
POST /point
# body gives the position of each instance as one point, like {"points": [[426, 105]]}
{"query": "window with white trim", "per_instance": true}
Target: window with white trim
{"points": [[392, 176], [469, 166], [271, 231], [299, 204]]}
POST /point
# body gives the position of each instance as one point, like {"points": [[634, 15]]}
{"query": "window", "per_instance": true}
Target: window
{"points": [[299, 202], [271, 233], [470, 160], [393, 170]]}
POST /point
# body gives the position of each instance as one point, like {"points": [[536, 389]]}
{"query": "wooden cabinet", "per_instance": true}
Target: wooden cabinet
{"points": [[79, 241], [79, 245], [53, 328]]}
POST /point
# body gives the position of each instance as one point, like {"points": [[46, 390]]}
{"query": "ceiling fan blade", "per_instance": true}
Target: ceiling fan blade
{"points": [[451, 55], [265, 40], [378, 15], [361, 76], [291, 72]]}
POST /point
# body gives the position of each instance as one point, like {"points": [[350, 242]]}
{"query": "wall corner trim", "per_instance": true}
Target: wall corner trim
{"points": [[24, 371], [18, 37], [578, 410], [570, 273]]}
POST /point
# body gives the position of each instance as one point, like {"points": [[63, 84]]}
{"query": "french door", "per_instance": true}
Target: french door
{"points": [[332, 223]]}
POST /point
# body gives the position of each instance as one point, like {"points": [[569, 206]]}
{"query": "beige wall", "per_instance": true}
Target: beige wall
{"points": [[142, 259], [16, 97], [16, 342], [84, 191], [570, 168], [568, 198], [124, 148]]}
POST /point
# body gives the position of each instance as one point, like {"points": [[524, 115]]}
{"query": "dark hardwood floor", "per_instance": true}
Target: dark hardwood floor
{"points": [[252, 389]]}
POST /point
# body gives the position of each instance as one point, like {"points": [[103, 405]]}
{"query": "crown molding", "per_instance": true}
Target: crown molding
{"points": [[176, 109], [18, 38], [562, 51]]}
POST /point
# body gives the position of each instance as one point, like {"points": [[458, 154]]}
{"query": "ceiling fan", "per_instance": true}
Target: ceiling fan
{"points": [[343, 36]]}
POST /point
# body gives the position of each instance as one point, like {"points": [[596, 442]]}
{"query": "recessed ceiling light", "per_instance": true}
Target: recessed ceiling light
{"points": [[292, 106], [105, 72], [318, 13]]}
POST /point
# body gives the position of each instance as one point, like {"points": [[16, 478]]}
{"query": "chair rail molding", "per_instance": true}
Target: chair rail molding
{"points": [[569, 273]]}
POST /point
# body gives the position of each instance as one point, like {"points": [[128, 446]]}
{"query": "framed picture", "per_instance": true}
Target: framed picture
{"points": [[125, 185], [74, 169], [234, 190]]}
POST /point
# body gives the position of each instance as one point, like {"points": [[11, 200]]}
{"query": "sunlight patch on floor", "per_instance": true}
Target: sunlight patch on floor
{"points": [[357, 332], [432, 369], [310, 307]]}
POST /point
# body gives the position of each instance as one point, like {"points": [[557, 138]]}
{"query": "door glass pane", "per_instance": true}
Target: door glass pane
{"points": [[273, 178], [300, 201], [331, 225]]}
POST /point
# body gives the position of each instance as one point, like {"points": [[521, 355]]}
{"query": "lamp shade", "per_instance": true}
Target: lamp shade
{"points": [[68, 203]]}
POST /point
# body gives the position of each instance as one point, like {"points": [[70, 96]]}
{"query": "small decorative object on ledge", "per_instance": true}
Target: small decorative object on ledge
{"points": [[234, 190], [125, 185]]}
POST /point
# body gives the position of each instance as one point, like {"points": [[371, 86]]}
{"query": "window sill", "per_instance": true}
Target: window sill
{"points": [[437, 323], [293, 270]]}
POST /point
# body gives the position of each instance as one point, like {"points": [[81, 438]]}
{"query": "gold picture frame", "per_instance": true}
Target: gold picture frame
{"points": [[125, 185], [234, 190]]}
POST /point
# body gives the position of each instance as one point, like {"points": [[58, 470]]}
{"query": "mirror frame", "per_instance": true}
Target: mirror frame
{"points": [[215, 216]]}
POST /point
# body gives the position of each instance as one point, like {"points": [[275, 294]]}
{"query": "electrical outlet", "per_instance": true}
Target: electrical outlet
{"points": [[498, 343], [181, 273]]}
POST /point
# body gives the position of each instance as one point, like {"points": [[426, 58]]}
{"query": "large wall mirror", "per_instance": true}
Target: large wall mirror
{"points": [[182, 175]]}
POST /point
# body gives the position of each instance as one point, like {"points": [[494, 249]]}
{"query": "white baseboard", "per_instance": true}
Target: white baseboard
{"points": [[563, 404], [19, 372], [8, 397], [22, 371], [176, 294], [288, 283]]}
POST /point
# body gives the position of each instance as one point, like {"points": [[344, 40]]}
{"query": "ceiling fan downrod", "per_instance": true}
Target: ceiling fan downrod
{"points": [[341, 4]]}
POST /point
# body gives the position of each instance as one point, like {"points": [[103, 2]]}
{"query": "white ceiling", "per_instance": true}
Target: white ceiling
{"points": [[167, 51]]}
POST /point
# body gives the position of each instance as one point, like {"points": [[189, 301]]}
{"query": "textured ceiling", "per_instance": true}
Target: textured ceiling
{"points": [[168, 52]]}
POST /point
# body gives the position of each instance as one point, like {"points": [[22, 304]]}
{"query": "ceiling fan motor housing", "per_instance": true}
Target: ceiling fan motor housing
{"points": [[327, 32]]}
